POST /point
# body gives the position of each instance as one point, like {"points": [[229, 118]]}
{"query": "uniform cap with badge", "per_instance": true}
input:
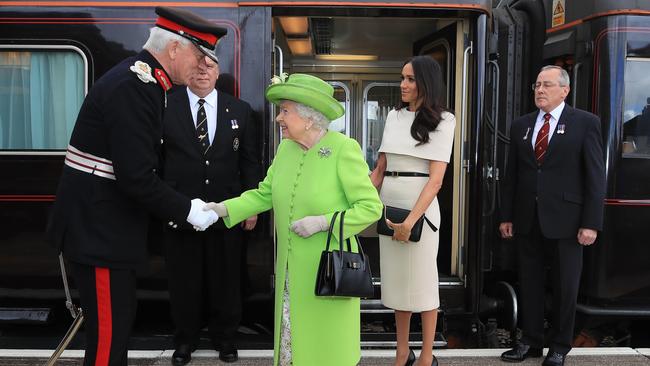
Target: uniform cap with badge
{"points": [[201, 32]]}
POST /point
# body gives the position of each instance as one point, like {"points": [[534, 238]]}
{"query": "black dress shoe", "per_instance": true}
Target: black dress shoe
{"points": [[411, 358], [554, 359], [182, 355], [228, 352], [520, 352]]}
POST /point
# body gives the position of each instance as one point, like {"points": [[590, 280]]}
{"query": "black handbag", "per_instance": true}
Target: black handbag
{"points": [[398, 215], [343, 273]]}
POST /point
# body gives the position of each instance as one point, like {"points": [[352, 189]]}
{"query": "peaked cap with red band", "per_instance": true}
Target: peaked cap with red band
{"points": [[203, 33]]}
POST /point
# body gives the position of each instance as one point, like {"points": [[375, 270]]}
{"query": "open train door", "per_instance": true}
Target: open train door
{"points": [[360, 48], [515, 43]]}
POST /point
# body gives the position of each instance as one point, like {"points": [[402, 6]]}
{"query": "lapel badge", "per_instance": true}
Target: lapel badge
{"points": [[233, 124], [324, 152], [560, 129], [235, 144], [143, 70], [526, 135]]}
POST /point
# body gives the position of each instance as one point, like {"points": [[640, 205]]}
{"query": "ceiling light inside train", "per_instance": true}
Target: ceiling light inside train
{"points": [[343, 57]]}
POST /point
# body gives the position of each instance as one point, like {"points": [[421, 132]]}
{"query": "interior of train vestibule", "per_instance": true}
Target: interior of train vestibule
{"points": [[360, 52]]}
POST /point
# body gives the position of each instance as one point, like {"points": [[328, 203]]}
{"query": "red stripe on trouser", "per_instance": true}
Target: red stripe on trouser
{"points": [[104, 316]]}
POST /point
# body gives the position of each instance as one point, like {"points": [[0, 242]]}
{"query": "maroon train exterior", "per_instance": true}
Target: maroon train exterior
{"points": [[51, 52]]}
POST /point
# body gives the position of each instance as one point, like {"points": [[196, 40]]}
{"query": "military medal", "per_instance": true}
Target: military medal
{"points": [[526, 136], [233, 123], [560, 129], [235, 144]]}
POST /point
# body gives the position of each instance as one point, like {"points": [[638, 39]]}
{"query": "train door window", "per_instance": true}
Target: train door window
{"points": [[636, 112], [41, 91], [342, 95], [634, 165], [441, 52], [378, 100]]}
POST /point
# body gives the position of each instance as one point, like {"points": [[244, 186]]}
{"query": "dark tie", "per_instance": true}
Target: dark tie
{"points": [[541, 143], [202, 127]]}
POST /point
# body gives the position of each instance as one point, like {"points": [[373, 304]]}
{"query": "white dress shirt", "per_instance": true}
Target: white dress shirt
{"points": [[210, 107], [555, 117]]}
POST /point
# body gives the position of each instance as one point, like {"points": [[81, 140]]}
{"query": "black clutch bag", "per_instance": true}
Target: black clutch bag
{"points": [[398, 215], [343, 273]]}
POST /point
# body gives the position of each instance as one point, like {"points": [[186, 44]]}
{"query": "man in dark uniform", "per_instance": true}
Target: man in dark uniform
{"points": [[209, 151], [552, 204], [109, 184]]}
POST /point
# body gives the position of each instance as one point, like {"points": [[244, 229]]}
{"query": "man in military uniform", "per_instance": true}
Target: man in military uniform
{"points": [[109, 184], [210, 151]]}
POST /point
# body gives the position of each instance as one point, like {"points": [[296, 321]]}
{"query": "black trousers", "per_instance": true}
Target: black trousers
{"points": [[564, 256], [109, 304], [204, 279]]}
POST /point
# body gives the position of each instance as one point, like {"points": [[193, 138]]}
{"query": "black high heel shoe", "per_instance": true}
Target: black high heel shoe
{"points": [[434, 362], [411, 359]]}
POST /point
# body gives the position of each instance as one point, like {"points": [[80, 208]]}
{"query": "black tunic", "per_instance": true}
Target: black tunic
{"points": [[104, 222]]}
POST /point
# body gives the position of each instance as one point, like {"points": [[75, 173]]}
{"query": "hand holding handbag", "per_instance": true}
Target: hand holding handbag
{"points": [[398, 215], [343, 273]]}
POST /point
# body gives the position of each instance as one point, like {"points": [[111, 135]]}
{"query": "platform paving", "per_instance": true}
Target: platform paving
{"points": [[448, 357]]}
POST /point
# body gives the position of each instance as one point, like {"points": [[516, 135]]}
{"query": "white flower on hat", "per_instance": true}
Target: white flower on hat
{"points": [[279, 79], [143, 70]]}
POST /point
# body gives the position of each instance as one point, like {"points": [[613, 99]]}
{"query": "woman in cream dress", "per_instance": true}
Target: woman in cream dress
{"points": [[417, 140]]}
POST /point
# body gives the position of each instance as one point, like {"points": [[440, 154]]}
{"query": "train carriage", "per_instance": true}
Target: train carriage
{"points": [[52, 52], [604, 47]]}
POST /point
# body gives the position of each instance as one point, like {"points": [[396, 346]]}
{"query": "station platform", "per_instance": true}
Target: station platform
{"points": [[620, 356]]}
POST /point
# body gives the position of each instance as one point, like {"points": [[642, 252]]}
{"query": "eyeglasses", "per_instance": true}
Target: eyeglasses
{"points": [[546, 85]]}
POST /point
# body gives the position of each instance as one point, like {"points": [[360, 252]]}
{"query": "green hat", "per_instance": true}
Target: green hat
{"points": [[308, 90]]}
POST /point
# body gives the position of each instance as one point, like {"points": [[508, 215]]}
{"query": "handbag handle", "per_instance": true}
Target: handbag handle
{"points": [[341, 235], [348, 241], [329, 232]]}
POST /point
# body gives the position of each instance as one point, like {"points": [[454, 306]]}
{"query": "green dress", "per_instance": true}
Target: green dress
{"points": [[331, 176]]}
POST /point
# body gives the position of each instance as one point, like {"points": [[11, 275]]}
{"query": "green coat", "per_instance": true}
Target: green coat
{"points": [[331, 176]]}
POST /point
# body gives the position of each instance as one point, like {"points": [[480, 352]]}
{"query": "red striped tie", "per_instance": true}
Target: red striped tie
{"points": [[541, 143]]}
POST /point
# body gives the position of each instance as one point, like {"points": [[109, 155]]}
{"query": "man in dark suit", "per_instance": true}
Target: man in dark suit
{"points": [[209, 151], [109, 184], [552, 204]]}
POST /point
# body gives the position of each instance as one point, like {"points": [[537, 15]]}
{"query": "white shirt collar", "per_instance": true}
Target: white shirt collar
{"points": [[555, 113], [210, 99]]}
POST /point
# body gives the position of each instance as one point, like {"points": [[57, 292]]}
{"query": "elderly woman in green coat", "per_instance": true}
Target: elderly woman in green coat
{"points": [[315, 173]]}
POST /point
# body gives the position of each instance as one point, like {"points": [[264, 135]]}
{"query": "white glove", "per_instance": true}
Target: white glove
{"points": [[219, 208], [309, 225], [200, 219]]}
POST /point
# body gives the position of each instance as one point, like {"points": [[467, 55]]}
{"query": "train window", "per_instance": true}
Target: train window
{"points": [[379, 99], [41, 91], [636, 112], [342, 95]]}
